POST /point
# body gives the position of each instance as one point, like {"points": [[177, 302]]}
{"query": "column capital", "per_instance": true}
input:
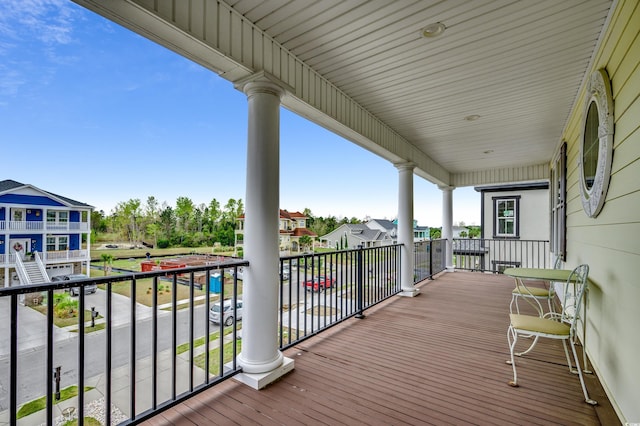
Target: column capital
{"points": [[446, 187], [262, 82], [404, 165]]}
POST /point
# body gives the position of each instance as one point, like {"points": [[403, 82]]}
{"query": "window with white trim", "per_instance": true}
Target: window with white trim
{"points": [[57, 243], [57, 216], [507, 216]]}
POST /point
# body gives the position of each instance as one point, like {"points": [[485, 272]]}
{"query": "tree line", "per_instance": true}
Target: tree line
{"points": [[187, 224]]}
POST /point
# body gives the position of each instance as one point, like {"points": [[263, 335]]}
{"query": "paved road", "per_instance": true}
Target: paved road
{"points": [[32, 352], [32, 356]]}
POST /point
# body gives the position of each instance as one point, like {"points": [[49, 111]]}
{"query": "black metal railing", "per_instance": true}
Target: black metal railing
{"points": [[146, 342], [145, 358], [320, 290], [429, 259], [495, 255]]}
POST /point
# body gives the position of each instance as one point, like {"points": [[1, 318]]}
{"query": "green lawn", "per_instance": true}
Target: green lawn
{"points": [[41, 403], [214, 354]]}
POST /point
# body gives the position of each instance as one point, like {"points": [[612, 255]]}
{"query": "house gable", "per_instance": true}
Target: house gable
{"points": [[12, 192]]}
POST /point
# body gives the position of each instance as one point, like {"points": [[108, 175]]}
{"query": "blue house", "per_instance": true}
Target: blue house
{"points": [[42, 234]]}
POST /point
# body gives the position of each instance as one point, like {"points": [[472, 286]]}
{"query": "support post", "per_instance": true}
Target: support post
{"points": [[447, 224], [405, 228], [260, 358]]}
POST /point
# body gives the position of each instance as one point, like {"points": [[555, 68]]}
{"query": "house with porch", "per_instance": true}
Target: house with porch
{"points": [[291, 227], [353, 235], [42, 234], [460, 94], [513, 217]]}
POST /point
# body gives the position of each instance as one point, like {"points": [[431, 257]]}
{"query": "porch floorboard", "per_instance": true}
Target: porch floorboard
{"points": [[438, 358]]}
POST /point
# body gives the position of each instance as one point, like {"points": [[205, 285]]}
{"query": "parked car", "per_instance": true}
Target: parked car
{"points": [[232, 272], [74, 291], [319, 283], [229, 315], [284, 273]]}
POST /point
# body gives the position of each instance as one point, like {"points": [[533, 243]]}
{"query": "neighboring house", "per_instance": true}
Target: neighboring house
{"points": [[420, 233], [292, 226], [353, 235], [42, 234], [384, 225], [511, 212]]}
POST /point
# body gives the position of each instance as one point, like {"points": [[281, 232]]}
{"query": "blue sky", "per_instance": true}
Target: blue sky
{"points": [[97, 113]]}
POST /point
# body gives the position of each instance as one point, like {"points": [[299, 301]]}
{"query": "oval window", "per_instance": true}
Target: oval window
{"points": [[591, 144], [597, 143]]}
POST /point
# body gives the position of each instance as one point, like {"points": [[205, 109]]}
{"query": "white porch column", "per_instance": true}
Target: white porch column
{"points": [[447, 224], [405, 228], [261, 360]]}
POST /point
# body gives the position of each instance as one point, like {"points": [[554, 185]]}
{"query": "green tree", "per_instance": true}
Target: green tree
{"points": [[98, 222], [152, 230], [128, 214], [167, 222], [435, 233], [107, 260], [475, 231], [305, 242], [184, 212]]}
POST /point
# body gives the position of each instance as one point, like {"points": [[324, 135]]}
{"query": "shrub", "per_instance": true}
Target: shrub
{"points": [[64, 306], [163, 243]]}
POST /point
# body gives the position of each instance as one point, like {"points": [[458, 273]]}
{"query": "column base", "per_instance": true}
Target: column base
{"points": [[409, 293], [450, 269], [259, 380]]}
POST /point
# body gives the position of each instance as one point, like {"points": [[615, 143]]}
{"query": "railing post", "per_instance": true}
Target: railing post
{"points": [[359, 283], [430, 250]]}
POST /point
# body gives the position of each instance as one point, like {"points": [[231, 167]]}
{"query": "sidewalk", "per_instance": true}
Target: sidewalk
{"points": [[121, 390]]}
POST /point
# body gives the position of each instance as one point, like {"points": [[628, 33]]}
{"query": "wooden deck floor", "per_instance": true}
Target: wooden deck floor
{"points": [[438, 358]]}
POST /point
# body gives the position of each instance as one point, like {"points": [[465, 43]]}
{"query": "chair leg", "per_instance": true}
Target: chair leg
{"points": [[584, 387], [566, 354], [514, 300], [535, 340], [512, 338]]}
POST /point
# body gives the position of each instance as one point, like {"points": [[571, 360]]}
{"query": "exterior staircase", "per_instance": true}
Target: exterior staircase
{"points": [[34, 273]]}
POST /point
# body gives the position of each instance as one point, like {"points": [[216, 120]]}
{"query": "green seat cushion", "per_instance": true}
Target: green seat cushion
{"points": [[539, 325], [533, 291]]}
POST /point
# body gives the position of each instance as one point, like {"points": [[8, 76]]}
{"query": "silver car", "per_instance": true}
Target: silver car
{"points": [[229, 315], [89, 288]]}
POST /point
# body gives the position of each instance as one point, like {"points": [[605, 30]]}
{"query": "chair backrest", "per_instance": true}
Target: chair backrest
{"points": [[573, 295]]}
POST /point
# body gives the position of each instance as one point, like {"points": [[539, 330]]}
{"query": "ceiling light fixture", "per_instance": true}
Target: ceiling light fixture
{"points": [[433, 30], [472, 117]]}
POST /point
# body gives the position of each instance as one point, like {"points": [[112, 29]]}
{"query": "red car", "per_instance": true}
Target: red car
{"points": [[319, 283]]}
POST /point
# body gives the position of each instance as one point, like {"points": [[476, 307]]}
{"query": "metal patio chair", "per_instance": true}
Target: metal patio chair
{"points": [[536, 293], [561, 326]]}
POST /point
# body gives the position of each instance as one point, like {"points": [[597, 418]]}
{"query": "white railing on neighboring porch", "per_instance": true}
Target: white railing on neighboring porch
{"points": [[41, 266], [33, 225], [49, 257], [24, 278]]}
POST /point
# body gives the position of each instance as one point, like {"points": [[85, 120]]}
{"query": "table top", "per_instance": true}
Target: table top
{"points": [[539, 273]]}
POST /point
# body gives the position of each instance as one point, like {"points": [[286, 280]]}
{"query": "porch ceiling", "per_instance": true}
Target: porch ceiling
{"points": [[518, 65]]}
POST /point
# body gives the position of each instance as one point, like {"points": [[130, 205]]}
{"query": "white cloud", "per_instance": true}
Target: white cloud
{"points": [[50, 21]]}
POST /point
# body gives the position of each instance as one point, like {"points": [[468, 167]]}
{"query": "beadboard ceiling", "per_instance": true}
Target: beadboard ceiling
{"points": [[518, 65]]}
